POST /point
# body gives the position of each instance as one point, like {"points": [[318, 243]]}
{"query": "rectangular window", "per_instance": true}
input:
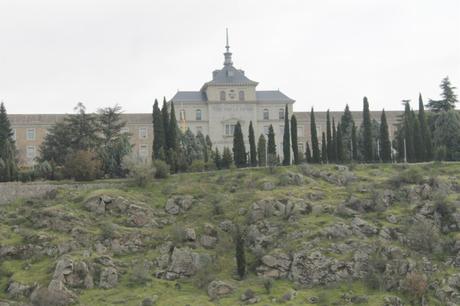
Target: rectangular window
{"points": [[31, 152], [300, 131], [300, 146], [14, 134], [266, 130], [229, 129], [281, 129], [143, 132], [143, 150], [30, 134], [124, 130]]}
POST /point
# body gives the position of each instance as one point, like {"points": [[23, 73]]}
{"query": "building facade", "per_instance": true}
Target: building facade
{"points": [[214, 110]]}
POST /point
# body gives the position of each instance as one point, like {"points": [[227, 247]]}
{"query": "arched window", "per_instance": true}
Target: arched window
{"points": [[241, 95], [266, 115], [182, 115], [222, 95], [281, 114], [198, 114]]}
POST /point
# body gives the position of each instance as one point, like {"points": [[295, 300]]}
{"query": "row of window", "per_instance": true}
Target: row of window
{"points": [[232, 95], [198, 114], [32, 132], [266, 114], [229, 130]]}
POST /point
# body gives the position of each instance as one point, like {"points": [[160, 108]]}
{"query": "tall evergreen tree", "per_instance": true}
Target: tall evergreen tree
{"points": [[201, 142], [173, 141], [217, 159], [227, 159], [340, 149], [239, 150], [346, 125], [449, 98], [252, 146], [408, 132], [262, 151], [8, 166], [159, 143], [308, 153], [316, 156], [329, 145], [367, 132], [425, 131], [83, 129], [286, 139], [323, 149], [271, 145], [295, 146], [384, 138], [165, 119], [334, 149], [418, 141], [354, 143]]}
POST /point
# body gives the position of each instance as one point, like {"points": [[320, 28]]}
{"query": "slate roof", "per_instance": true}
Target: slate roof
{"points": [[261, 95], [272, 95], [229, 75], [189, 96]]}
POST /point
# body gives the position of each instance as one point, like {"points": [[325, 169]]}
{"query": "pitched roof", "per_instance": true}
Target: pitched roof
{"points": [[272, 95], [229, 75], [189, 96]]}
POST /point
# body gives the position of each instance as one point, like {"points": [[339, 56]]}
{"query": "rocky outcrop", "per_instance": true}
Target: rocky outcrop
{"points": [[178, 204], [217, 289], [275, 265], [181, 262], [108, 278]]}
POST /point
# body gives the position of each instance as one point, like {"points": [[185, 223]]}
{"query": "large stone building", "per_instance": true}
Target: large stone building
{"points": [[230, 97]]}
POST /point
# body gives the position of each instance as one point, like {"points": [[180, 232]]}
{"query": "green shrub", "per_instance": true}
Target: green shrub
{"points": [[411, 175], [140, 170], [197, 166], [161, 169], [423, 236], [82, 166], [140, 274]]}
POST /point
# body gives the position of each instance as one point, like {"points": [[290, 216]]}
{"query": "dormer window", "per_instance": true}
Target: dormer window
{"points": [[266, 114], [241, 95], [222, 95]]}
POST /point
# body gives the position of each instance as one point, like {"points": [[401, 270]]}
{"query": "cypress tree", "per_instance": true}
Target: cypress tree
{"points": [[314, 138], [409, 132], [239, 150], [308, 153], [227, 159], [418, 141], [334, 150], [354, 143], [262, 151], [217, 159], [340, 151], [252, 146], [295, 146], [173, 130], [426, 135], [367, 132], [158, 131], [286, 139], [8, 166], [239, 253], [271, 146], [329, 145], [384, 137], [346, 126], [165, 117], [323, 149]]}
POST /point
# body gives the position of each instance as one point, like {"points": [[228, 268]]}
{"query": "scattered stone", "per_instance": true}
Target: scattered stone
{"points": [[208, 242], [189, 234], [217, 289], [178, 204], [108, 278], [275, 265]]}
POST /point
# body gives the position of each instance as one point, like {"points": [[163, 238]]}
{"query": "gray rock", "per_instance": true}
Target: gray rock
{"points": [[189, 234], [360, 226], [108, 278], [267, 186], [178, 204], [17, 290], [227, 226], [392, 301], [182, 263], [217, 289], [208, 242], [275, 265]]}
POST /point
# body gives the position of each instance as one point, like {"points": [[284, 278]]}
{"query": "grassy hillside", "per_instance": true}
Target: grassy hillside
{"points": [[326, 235]]}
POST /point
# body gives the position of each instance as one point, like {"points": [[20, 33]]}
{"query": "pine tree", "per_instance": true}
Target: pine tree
{"points": [[217, 159], [227, 159], [165, 119], [314, 138], [286, 139], [409, 132], [252, 146], [262, 151], [354, 143], [158, 132], [308, 153], [329, 145], [239, 253], [83, 129], [239, 150], [367, 132], [426, 135], [384, 138], [271, 146], [8, 166], [334, 148], [295, 146], [340, 150], [346, 125], [449, 98], [323, 149]]}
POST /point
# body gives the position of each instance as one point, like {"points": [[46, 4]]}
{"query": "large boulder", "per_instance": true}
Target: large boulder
{"points": [[178, 204], [275, 265], [108, 278], [16, 290], [182, 262], [360, 226], [217, 289]]}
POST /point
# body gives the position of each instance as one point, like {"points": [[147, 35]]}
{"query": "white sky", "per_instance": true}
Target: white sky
{"points": [[325, 54]]}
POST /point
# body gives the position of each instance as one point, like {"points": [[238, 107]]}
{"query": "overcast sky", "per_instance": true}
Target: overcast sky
{"points": [[325, 54]]}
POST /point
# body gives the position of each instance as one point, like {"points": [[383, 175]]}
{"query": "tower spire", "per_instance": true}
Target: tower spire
{"points": [[227, 54]]}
